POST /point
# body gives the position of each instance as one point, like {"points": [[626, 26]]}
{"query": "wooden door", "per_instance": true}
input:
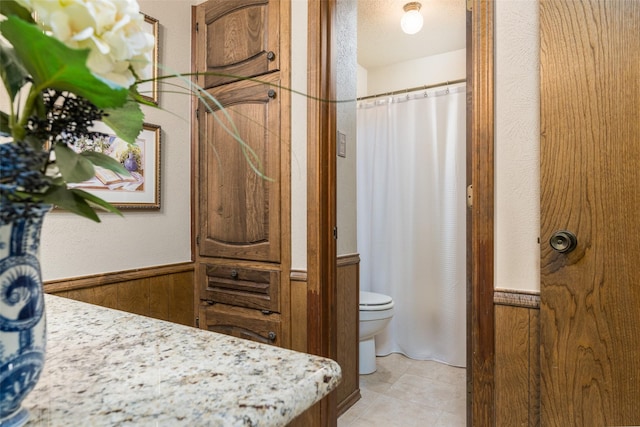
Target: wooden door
{"points": [[239, 39], [590, 169], [239, 188]]}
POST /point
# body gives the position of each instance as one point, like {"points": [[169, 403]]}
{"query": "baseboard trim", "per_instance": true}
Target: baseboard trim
{"points": [[348, 402], [298, 275], [516, 298], [82, 282], [349, 259]]}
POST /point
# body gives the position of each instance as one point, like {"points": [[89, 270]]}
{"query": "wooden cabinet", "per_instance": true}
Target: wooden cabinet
{"points": [[241, 168]]}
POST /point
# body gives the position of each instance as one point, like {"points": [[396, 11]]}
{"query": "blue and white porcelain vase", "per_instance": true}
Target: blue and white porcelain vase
{"points": [[22, 316]]}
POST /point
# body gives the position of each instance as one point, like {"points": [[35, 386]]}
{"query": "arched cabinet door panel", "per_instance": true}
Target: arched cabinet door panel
{"points": [[237, 40], [239, 165]]}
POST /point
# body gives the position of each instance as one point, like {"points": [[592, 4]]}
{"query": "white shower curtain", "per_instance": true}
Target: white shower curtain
{"points": [[412, 219]]}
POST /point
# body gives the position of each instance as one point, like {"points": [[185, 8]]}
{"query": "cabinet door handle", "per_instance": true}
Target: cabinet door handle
{"points": [[271, 94], [271, 336], [234, 274], [271, 55]]}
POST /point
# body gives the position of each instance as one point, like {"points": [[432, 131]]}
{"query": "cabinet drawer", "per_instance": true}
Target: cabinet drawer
{"points": [[249, 287], [241, 322]]}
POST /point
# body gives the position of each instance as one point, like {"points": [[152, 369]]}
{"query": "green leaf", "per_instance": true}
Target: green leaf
{"points": [[33, 141], [5, 130], [104, 161], [95, 201], [11, 8], [69, 200], [13, 74], [73, 167], [126, 121], [135, 95], [51, 64]]}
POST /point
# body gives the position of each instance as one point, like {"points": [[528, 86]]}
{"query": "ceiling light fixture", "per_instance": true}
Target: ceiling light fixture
{"points": [[412, 20]]}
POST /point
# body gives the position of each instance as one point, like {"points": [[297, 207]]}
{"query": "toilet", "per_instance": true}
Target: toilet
{"points": [[376, 311]]}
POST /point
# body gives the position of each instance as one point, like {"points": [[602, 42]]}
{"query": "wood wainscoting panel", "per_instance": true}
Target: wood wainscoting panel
{"points": [[134, 296], [171, 298], [512, 366], [105, 296], [348, 309], [517, 350], [534, 368], [309, 418], [298, 280], [165, 292]]}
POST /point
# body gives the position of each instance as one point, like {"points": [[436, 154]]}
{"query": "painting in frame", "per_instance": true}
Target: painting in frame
{"points": [[149, 90], [139, 190]]}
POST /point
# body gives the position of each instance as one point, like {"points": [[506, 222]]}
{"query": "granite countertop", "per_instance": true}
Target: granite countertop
{"points": [[110, 368]]}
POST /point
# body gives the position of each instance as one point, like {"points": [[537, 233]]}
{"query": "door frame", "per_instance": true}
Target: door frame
{"points": [[480, 218], [321, 201], [321, 191]]}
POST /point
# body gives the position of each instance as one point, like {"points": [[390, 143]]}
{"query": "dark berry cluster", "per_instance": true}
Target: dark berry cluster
{"points": [[68, 117], [22, 173], [64, 119]]}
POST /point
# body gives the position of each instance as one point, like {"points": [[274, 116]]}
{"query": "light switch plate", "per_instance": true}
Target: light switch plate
{"points": [[342, 144]]}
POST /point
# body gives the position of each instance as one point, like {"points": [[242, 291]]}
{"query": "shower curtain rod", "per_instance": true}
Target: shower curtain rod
{"points": [[413, 89]]}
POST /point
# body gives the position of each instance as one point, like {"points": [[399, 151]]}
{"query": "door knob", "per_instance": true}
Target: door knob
{"points": [[563, 241]]}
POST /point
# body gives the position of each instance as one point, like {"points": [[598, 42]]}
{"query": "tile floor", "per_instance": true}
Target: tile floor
{"points": [[405, 392]]}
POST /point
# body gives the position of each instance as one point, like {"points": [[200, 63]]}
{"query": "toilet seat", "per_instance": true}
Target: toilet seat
{"points": [[371, 301]]}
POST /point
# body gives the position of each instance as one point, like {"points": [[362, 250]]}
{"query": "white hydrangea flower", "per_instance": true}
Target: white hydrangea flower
{"points": [[111, 29]]}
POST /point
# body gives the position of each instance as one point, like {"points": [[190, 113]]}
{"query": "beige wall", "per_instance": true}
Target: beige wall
{"points": [[517, 186], [299, 135], [74, 246], [517, 131], [346, 15], [346, 87], [418, 72]]}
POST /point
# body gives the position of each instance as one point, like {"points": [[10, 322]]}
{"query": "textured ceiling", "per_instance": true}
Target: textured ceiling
{"points": [[381, 41]]}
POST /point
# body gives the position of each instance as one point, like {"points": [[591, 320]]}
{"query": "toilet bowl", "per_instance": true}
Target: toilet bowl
{"points": [[376, 311]]}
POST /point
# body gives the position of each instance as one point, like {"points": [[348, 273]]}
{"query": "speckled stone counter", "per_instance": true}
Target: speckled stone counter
{"points": [[109, 368]]}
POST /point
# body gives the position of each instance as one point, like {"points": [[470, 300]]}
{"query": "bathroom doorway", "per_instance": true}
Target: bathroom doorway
{"points": [[411, 173], [411, 200], [480, 173]]}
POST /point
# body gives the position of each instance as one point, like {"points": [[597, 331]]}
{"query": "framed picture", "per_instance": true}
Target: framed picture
{"points": [[139, 190], [149, 90]]}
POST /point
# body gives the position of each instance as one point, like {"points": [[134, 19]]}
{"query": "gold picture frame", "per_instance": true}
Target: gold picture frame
{"points": [[140, 190], [149, 90]]}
